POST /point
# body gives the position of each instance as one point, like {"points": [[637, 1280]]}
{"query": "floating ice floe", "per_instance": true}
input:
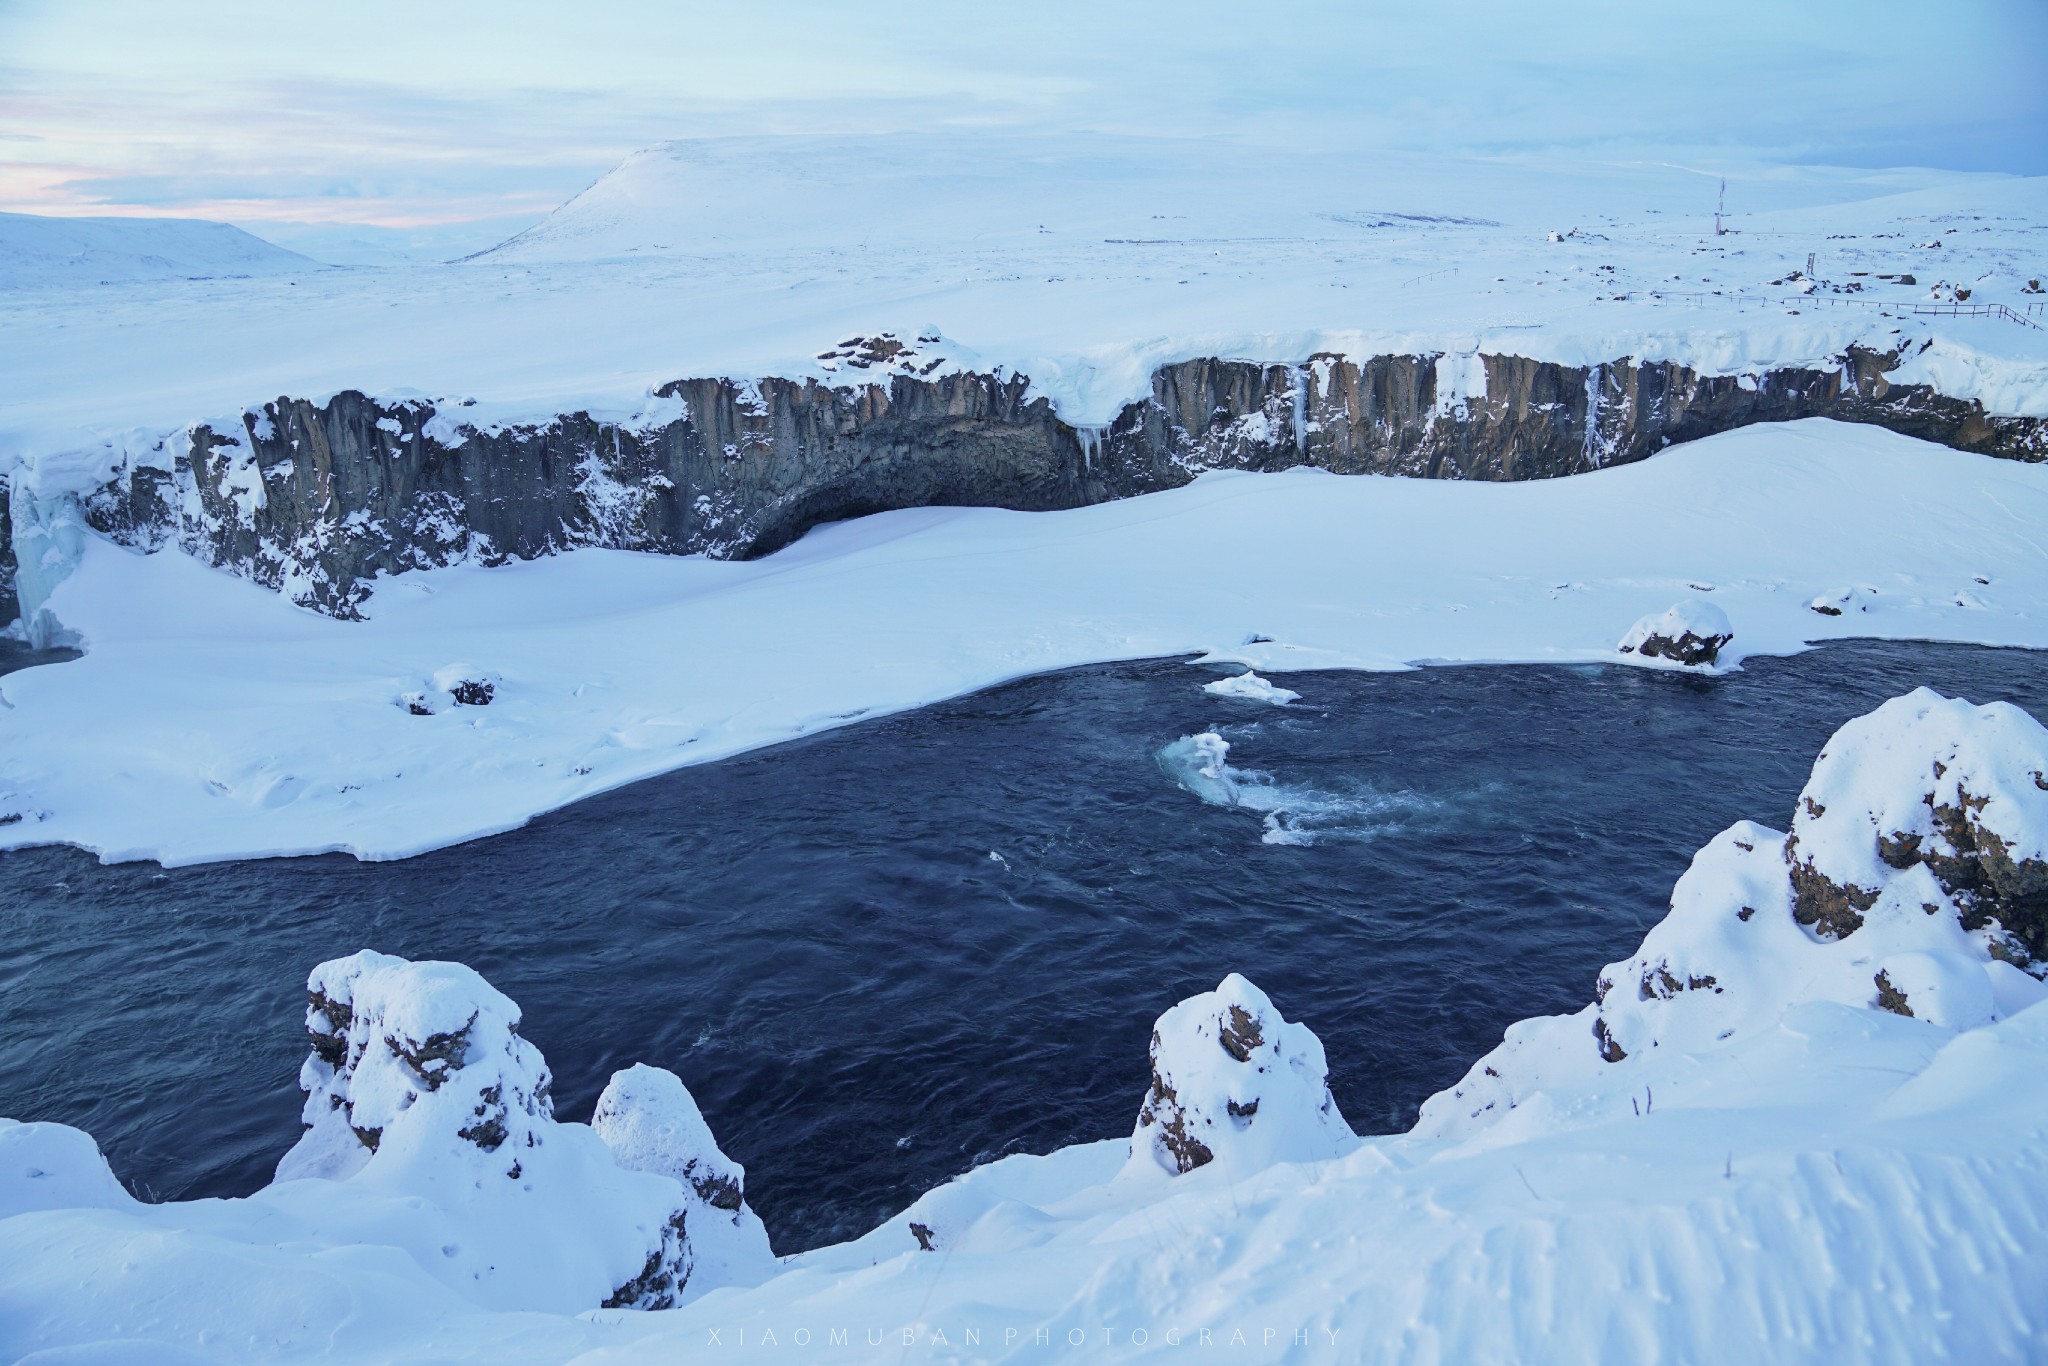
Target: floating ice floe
{"points": [[1249, 687], [1201, 764]]}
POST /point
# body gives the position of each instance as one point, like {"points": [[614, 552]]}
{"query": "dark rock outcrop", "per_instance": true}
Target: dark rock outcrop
{"points": [[316, 499], [10, 606], [1889, 997]]}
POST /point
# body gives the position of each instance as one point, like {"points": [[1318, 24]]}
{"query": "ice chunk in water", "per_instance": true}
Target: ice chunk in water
{"points": [[1249, 687], [1293, 815], [1198, 763]]}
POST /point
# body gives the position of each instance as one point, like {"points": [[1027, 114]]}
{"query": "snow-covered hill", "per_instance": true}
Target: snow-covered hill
{"points": [[1009, 193], [39, 252]]}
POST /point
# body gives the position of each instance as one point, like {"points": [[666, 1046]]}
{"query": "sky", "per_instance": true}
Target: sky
{"points": [[434, 126]]}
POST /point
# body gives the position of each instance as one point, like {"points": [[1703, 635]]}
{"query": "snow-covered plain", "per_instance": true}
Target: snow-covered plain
{"points": [[1084, 262], [1766, 1140], [211, 719]]}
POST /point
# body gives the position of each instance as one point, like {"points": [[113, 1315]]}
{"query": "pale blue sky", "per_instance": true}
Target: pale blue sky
{"points": [[455, 121]]}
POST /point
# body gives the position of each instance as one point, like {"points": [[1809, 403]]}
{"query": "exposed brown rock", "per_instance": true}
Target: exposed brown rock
{"points": [[1162, 1109], [1890, 997], [1610, 1051], [1240, 1034], [662, 1279], [1832, 909]]}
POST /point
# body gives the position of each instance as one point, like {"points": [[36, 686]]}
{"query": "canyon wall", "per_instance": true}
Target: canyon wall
{"points": [[316, 499]]}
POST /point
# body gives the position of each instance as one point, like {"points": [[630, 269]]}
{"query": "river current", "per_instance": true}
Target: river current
{"points": [[882, 955]]}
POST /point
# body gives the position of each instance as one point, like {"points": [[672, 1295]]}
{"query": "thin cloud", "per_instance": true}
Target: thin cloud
{"points": [[314, 114]]}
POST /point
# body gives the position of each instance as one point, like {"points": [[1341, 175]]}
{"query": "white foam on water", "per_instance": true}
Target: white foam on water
{"points": [[1292, 814]]}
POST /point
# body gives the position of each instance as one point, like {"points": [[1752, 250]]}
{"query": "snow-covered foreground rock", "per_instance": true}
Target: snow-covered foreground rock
{"points": [[1233, 1083], [1770, 1138], [430, 1137], [432, 1175], [1914, 881], [210, 719]]}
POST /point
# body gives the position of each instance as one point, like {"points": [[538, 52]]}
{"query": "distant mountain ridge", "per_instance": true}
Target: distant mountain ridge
{"points": [[1046, 197], [38, 250]]}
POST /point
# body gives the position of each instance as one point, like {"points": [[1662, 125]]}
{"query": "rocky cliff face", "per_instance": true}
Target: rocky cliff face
{"points": [[316, 499], [10, 606]]}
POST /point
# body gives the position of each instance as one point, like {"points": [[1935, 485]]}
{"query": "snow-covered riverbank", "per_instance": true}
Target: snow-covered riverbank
{"points": [[211, 719], [1801, 1120]]}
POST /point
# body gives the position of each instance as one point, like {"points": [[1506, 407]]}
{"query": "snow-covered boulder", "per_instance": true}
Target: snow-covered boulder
{"points": [[1249, 687], [649, 1120], [1234, 1083], [467, 685], [1690, 633], [1841, 601], [430, 1128], [426, 1055], [1733, 957], [456, 685], [1913, 883], [1928, 781]]}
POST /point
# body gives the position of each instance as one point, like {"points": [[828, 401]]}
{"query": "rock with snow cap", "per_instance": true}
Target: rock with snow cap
{"points": [[413, 1053], [1905, 887], [53, 1166], [424, 1100], [1690, 633], [1934, 782], [1234, 1083], [651, 1123]]}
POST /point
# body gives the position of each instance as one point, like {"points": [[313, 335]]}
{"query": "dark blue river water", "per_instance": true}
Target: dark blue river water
{"points": [[865, 1002]]}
